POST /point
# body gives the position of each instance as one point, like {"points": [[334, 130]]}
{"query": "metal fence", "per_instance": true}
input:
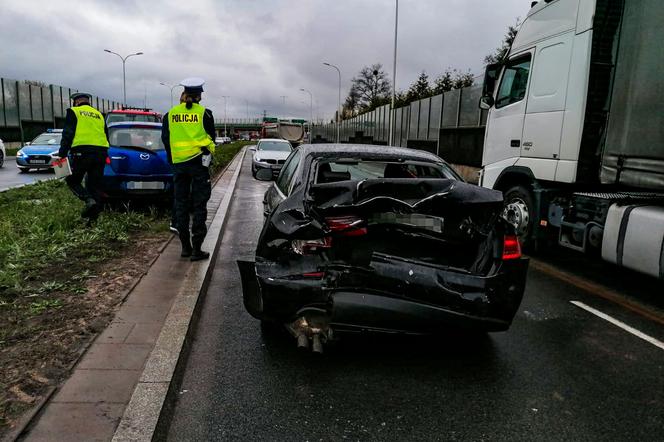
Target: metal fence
{"points": [[450, 125], [24, 102]]}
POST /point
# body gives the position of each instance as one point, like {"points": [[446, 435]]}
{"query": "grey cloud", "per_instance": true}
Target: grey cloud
{"points": [[253, 50]]}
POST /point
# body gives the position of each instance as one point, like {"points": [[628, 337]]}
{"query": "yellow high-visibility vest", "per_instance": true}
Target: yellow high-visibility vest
{"points": [[187, 134], [89, 127]]}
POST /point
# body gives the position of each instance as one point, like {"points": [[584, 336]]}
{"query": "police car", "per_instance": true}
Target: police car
{"points": [[137, 163], [40, 153]]}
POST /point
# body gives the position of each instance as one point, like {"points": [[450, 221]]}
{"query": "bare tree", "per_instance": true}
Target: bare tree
{"points": [[372, 86]]}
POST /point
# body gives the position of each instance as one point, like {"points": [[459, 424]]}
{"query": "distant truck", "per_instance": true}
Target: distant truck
{"points": [[575, 129], [290, 130]]}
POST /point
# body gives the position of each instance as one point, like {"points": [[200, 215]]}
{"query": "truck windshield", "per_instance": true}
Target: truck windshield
{"points": [[278, 146]]}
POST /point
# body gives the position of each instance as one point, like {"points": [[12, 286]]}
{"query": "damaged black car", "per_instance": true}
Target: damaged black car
{"points": [[381, 239]]}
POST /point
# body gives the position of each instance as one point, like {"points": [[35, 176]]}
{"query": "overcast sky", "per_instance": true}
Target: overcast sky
{"points": [[254, 51]]}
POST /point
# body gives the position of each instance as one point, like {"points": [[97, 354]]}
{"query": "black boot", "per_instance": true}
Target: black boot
{"points": [[91, 208], [198, 254], [186, 247]]}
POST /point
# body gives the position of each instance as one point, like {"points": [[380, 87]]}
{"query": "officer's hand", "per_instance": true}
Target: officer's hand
{"points": [[205, 151], [62, 154]]}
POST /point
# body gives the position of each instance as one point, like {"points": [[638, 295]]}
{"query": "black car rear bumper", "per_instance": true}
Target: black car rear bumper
{"points": [[393, 295]]}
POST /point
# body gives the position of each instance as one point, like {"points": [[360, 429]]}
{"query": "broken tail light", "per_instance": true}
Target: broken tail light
{"points": [[346, 225], [511, 248], [108, 160], [309, 246]]}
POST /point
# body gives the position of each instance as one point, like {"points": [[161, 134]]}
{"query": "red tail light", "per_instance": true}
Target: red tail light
{"points": [[309, 246], [108, 160], [511, 248], [346, 225]]}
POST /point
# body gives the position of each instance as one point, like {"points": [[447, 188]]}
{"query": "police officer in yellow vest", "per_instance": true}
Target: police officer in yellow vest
{"points": [[85, 138], [188, 134]]}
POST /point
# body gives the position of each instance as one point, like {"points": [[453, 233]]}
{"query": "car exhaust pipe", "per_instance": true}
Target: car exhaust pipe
{"points": [[317, 346], [302, 342], [314, 327]]}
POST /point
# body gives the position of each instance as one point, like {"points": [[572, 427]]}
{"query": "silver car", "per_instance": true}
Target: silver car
{"points": [[270, 153]]}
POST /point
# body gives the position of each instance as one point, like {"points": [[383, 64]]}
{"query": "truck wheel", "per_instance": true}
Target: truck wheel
{"points": [[520, 212]]}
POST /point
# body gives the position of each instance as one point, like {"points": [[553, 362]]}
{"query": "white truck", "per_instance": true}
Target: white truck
{"points": [[575, 129]]}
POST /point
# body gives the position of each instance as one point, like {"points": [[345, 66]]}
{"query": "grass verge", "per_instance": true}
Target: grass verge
{"points": [[224, 153], [59, 282]]}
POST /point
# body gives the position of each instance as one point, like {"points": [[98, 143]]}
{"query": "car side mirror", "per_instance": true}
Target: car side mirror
{"points": [[264, 175], [28, 143], [486, 102], [252, 148]]}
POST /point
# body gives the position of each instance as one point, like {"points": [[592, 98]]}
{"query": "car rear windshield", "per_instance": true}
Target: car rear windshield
{"points": [[146, 138], [278, 146], [332, 171], [48, 139], [116, 118]]}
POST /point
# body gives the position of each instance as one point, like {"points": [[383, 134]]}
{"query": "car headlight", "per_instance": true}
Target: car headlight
{"points": [[21, 154], [54, 153]]}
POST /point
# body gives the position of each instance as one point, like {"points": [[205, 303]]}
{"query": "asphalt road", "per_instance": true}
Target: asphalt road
{"points": [[560, 372], [10, 176]]}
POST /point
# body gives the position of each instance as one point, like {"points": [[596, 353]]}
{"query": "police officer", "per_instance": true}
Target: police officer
{"points": [[85, 136], [188, 134]]}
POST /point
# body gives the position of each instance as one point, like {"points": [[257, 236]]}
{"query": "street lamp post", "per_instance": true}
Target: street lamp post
{"points": [[394, 75], [338, 100], [124, 76], [172, 87], [311, 111], [225, 129]]}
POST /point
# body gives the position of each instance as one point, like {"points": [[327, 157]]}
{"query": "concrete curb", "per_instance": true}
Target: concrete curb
{"points": [[148, 413]]}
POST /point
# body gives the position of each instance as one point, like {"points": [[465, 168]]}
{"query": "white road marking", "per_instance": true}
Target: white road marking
{"points": [[614, 321]]}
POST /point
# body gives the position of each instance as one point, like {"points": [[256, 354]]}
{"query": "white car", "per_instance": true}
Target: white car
{"points": [[270, 153], [3, 154], [223, 140]]}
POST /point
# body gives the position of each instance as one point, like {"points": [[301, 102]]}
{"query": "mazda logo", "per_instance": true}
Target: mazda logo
{"points": [[145, 156]]}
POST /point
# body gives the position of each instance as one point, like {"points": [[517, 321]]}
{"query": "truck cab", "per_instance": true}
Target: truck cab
{"points": [[574, 130]]}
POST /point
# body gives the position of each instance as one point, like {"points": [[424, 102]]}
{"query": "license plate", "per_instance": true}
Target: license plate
{"points": [[426, 222], [37, 161], [145, 185]]}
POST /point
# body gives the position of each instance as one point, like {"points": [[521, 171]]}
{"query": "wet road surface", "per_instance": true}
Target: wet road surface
{"points": [[560, 372], [10, 176]]}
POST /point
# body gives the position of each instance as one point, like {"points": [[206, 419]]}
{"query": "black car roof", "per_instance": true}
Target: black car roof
{"points": [[345, 150]]}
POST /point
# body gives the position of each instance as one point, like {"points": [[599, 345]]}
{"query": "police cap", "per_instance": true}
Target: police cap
{"points": [[193, 85], [77, 95]]}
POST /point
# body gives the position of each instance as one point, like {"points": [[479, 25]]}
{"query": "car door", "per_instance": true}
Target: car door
{"points": [[505, 123], [280, 189]]}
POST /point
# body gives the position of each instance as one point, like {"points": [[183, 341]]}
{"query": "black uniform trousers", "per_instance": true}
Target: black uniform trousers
{"points": [[88, 163], [192, 190]]}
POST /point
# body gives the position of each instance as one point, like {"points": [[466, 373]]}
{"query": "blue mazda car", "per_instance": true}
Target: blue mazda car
{"points": [[39, 153], [137, 164]]}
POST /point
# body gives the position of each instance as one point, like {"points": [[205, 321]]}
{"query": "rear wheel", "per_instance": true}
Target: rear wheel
{"points": [[520, 212]]}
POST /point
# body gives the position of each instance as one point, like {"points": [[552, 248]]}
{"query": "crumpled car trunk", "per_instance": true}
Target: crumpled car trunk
{"points": [[436, 221]]}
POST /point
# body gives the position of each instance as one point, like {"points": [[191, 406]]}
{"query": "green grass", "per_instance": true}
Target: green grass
{"points": [[224, 153], [11, 151], [45, 245]]}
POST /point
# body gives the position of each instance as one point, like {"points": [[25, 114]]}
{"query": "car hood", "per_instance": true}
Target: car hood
{"points": [[40, 149], [270, 155]]}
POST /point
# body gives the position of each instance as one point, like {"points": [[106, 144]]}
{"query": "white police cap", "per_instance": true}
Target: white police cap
{"points": [[193, 84]]}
